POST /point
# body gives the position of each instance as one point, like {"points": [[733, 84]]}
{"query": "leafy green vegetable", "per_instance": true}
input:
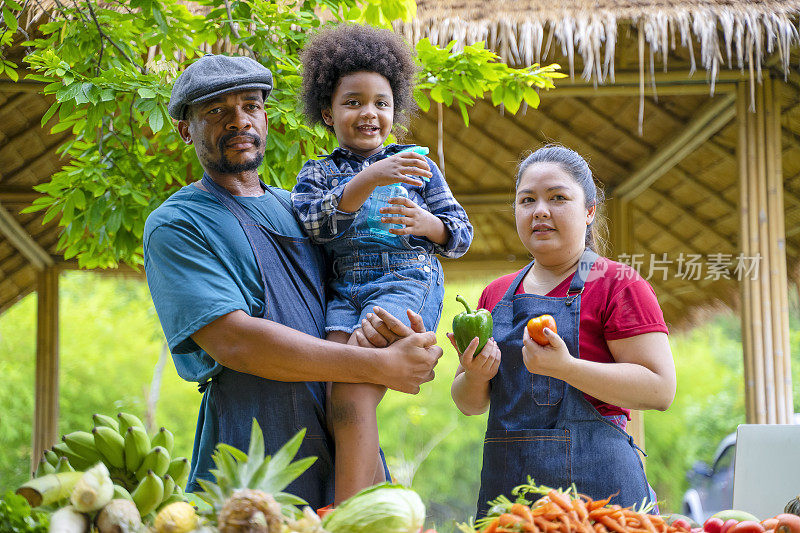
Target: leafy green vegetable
{"points": [[16, 516], [386, 508]]}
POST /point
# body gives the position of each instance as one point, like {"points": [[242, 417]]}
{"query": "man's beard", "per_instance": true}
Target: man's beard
{"points": [[225, 166]]}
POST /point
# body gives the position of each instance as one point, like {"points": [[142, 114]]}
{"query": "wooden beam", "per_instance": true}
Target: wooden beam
{"points": [[22, 241], [676, 76], [18, 195], [45, 416], [571, 91], [21, 86], [710, 120]]}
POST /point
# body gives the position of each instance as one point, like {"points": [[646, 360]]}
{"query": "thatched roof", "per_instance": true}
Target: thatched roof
{"points": [[732, 33], [692, 205]]}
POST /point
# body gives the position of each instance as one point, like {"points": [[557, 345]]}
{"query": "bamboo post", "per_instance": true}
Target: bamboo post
{"points": [[775, 245], [783, 291], [45, 426], [745, 246], [621, 243], [764, 238], [765, 331]]}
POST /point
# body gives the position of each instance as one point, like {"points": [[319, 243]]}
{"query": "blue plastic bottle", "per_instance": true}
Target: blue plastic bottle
{"points": [[380, 198]]}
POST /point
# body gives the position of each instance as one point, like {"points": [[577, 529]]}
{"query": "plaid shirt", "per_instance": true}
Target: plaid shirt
{"points": [[316, 203]]}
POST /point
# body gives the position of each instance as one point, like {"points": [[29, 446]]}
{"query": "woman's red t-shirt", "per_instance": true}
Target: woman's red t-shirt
{"points": [[616, 303]]}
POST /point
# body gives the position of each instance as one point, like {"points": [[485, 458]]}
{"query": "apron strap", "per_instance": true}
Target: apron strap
{"points": [[588, 258]]}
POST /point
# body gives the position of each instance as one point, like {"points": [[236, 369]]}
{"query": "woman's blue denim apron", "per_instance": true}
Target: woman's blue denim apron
{"points": [[543, 427], [293, 274]]}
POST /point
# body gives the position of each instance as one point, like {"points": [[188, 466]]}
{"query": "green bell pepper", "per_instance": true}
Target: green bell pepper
{"points": [[468, 325]]}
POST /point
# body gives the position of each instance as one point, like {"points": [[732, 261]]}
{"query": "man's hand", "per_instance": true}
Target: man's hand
{"points": [[382, 328], [415, 220], [409, 361]]}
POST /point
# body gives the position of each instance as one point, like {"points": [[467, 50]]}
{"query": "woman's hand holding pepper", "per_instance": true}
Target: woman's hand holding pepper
{"points": [[551, 360], [483, 366]]}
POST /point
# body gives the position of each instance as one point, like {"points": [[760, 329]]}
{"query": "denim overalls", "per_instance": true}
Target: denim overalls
{"points": [[292, 271], [543, 427], [373, 269]]}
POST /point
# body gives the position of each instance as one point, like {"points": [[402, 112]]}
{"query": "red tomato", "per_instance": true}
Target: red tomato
{"points": [[713, 525], [769, 523], [747, 526], [788, 523], [537, 325], [729, 523], [680, 523]]}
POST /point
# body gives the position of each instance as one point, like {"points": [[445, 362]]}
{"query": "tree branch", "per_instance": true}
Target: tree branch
{"points": [[235, 29], [109, 39]]}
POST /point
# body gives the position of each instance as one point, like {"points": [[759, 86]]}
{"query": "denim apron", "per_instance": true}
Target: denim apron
{"points": [[544, 427], [293, 276]]}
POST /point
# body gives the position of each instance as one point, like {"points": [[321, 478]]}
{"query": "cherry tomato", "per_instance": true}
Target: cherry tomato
{"points": [[537, 325], [747, 526], [713, 525], [680, 523], [788, 523], [729, 523]]}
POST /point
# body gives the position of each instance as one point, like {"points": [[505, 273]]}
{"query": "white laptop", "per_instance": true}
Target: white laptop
{"points": [[766, 471]]}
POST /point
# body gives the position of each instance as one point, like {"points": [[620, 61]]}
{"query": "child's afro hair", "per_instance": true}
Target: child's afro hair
{"points": [[346, 48]]}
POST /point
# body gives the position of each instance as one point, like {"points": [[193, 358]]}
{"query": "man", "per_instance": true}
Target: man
{"points": [[239, 290]]}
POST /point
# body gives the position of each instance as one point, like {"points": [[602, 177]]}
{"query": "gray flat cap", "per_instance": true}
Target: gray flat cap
{"points": [[213, 75]]}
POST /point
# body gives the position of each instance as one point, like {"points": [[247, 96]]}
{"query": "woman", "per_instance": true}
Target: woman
{"points": [[557, 412]]}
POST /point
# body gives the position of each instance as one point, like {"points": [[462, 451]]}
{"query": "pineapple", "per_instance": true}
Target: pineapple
{"points": [[251, 511], [247, 497]]}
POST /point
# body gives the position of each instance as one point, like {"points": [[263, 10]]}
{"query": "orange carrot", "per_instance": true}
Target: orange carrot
{"points": [[612, 524], [545, 525], [597, 504], [600, 528], [561, 499], [579, 507], [549, 508], [648, 524], [595, 514], [530, 527], [508, 519], [522, 511]]}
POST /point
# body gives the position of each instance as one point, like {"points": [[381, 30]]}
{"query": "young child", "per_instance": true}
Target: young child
{"points": [[358, 81]]}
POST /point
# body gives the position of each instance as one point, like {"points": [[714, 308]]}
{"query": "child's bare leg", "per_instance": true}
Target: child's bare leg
{"points": [[355, 432]]}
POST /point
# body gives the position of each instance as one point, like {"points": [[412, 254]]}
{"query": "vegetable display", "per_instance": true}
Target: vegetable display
{"points": [[565, 511], [536, 328], [468, 325], [247, 497]]}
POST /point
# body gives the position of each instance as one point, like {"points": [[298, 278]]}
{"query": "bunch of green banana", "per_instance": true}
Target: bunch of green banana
{"points": [[140, 465]]}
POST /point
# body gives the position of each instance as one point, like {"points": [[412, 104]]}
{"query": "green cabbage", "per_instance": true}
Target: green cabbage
{"points": [[384, 508]]}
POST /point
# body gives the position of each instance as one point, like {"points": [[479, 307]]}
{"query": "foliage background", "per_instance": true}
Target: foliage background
{"points": [[110, 342]]}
